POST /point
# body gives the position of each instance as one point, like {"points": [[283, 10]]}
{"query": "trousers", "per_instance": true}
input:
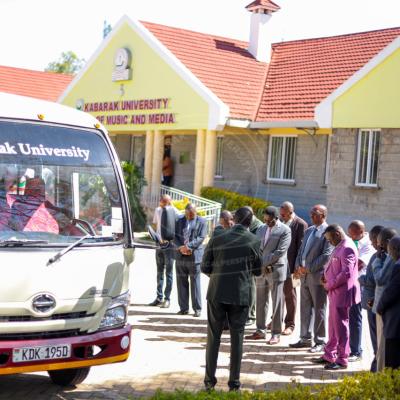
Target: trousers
{"points": [[187, 270], [265, 286], [237, 315], [355, 320], [337, 348], [165, 263], [291, 302]]}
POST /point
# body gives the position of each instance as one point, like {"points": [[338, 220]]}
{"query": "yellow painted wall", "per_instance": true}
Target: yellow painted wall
{"points": [[152, 78], [374, 101]]}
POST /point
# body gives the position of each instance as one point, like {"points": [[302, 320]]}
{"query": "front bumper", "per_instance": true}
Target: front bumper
{"points": [[81, 351]]}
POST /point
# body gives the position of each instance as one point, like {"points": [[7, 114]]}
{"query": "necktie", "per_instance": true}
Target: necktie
{"points": [[186, 232], [267, 233], [307, 247]]}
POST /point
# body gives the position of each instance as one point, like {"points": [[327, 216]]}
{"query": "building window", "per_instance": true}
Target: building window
{"points": [[368, 157], [220, 158], [281, 158]]}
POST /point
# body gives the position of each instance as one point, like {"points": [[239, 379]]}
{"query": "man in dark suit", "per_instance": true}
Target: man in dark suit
{"points": [[311, 259], [389, 308], [275, 240], [164, 221], [298, 227], [190, 232], [230, 260]]}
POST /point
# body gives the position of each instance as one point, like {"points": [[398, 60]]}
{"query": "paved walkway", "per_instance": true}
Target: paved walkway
{"points": [[168, 352]]}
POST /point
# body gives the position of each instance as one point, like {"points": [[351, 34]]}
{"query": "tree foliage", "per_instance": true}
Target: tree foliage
{"points": [[68, 63], [134, 182]]}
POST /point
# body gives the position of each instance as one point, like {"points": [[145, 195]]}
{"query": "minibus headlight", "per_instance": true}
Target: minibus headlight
{"points": [[116, 313]]}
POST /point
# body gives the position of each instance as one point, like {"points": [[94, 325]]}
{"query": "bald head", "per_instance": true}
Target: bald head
{"points": [[190, 211], [226, 219], [356, 229], [165, 200], [394, 248], [286, 211], [318, 214]]}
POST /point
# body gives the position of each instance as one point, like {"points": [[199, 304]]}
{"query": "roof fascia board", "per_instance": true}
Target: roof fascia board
{"points": [[324, 110], [238, 123], [284, 124], [219, 111]]}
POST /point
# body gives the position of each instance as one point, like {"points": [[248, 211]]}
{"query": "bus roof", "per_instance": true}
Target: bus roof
{"points": [[27, 108]]}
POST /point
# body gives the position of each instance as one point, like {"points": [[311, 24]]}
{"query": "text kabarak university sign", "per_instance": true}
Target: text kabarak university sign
{"points": [[128, 112]]}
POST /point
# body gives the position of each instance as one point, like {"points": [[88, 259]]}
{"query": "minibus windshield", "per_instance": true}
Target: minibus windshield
{"points": [[57, 184]]}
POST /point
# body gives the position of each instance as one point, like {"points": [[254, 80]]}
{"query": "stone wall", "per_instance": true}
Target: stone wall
{"points": [[372, 205], [245, 170]]}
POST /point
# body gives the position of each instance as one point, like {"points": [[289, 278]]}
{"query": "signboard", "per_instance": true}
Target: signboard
{"points": [[130, 112]]}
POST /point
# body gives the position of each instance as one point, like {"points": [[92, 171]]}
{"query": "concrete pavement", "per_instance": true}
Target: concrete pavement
{"points": [[168, 352]]}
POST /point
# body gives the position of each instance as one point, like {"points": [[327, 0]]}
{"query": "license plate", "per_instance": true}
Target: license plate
{"points": [[40, 353]]}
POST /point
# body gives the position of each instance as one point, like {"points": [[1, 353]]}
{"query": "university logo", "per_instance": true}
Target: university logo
{"points": [[122, 62]]}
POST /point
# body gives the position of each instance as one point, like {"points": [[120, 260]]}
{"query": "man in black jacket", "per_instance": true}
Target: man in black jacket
{"points": [[389, 308], [298, 227], [230, 260]]}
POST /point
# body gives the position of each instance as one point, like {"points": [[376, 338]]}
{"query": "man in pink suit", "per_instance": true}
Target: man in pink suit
{"points": [[340, 280]]}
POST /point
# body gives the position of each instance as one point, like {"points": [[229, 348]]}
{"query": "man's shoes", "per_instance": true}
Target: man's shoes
{"points": [[317, 348], [250, 322], [287, 331], [164, 304], [197, 313], [354, 358], [320, 360], [154, 303], [335, 366], [209, 387], [275, 339], [256, 336], [301, 344], [183, 312]]}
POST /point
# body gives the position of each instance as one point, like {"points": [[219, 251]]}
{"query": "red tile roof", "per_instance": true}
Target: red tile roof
{"points": [[303, 72], [38, 84], [223, 65]]}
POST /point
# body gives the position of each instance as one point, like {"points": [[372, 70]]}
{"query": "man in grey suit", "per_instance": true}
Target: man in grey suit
{"points": [[311, 260], [275, 240]]}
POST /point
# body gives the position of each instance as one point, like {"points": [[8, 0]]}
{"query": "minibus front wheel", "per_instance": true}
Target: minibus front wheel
{"points": [[69, 377]]}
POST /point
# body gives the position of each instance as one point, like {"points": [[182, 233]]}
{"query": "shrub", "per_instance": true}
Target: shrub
{"points": [[181, 204], [232, 201], [362, 386]]}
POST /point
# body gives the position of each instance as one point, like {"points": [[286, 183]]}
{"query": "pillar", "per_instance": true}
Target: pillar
{"points": [[148, 162], [210, 158], [199, 161], [158, 152]]}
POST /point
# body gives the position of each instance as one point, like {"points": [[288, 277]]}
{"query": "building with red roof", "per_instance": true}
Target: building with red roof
{"points": [[37, 84], [310, 121]]}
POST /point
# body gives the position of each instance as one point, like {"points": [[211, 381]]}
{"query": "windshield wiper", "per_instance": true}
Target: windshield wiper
{"points": [[57, 256], [14, 242]]}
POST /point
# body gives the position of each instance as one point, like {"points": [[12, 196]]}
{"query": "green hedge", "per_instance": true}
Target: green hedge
{"points": [[232, 201], [362, 386]]}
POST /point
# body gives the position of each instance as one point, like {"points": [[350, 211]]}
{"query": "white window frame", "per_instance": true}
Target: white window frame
{"points": [[280, 179], [369, 160], [219, 163]]}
